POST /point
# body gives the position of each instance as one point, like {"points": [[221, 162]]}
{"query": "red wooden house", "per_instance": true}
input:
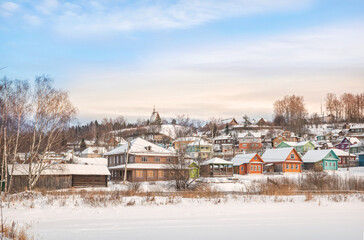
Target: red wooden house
{"points": [[248, 164]]}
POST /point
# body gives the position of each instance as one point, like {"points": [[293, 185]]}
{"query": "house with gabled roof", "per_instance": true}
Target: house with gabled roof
{"points": [[143, 160], [248, 164], [346, 159], [250, 141], [346, 142], [283, 160], [320, 160], [199, 150], [300, 147]]}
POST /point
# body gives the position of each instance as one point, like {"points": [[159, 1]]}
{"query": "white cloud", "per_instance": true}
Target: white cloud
{"points": [[8, 8], [32, 20], [99, 18], [47, 6], [233, 77]]}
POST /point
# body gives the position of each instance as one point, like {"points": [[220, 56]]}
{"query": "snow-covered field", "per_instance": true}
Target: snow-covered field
{"points": [[231, 216], [249, 217]]}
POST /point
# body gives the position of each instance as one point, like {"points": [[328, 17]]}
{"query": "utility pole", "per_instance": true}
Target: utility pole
{"points": [[126, 162], [348, 162]]}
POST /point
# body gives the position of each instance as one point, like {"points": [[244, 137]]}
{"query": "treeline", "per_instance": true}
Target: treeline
{"points": [[291, 112], [348, 107]]}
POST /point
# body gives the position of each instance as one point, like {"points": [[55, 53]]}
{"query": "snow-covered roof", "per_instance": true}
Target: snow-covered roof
{"points": [[246, 134], [242, 159], [359, 144], [223, 137], [312, 156], [216, 161], [186, 139], [199, 143], [61, 169], [297, 144], [94, 150], [276, 154], [353, 140], [91, 161], [357, 126], [141, 166], [139, 145]]}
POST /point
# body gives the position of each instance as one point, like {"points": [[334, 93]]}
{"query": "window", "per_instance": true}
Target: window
{"points": [[160, 174], [330, 164], [292, 166], [259, 168], [251, 167], [157, 159], [325, 164], [255, 168], [287, 166], [169, 160], [139, 173], [334, 164], [292, 156], [242, 168], [297, 166], [150, 173], [144, 159]]}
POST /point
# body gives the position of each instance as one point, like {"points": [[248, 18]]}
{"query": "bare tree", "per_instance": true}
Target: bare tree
{"points": [[178, 165], [51, 114], [293, 109], [13, 109]]}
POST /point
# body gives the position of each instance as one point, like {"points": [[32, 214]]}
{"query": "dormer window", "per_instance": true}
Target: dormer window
{"points": [[148, 148]]}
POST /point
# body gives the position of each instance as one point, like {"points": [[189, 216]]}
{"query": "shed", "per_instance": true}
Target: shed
{"points": [[60, 176]]}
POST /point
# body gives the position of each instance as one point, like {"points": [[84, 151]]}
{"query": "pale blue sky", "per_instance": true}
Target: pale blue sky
{"points": [[201, 58]]}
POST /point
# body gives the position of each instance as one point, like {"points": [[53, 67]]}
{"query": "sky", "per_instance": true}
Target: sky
{"points": [[195, 57]]}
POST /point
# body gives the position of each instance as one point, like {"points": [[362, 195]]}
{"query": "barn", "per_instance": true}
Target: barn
{"points": [[61, 176]]}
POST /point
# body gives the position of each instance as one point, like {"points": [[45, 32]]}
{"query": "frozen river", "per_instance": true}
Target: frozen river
{"points": [[199, 220]]}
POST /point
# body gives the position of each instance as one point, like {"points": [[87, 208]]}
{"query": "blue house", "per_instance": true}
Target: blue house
{"points": [[320, 160]]}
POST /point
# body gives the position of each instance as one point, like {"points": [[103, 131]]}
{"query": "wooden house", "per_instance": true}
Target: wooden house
{"points": [[223, 143], [346, 159], [248, 164], [229, 121], [320, 160], [194, 170], [300, 147], [216, 167], [286, 136], [60, 176], [182, 142], [284, 160], [346, 142], [199, 150], [146, 161], [250, 141], [361, 159]]}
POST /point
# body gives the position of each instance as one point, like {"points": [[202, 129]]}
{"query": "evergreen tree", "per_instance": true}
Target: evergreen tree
{"points": [[83, 145]]}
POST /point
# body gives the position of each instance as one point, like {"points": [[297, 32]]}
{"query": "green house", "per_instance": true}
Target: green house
{"points": [[300, 147], [320, 160], [194, 170]]}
